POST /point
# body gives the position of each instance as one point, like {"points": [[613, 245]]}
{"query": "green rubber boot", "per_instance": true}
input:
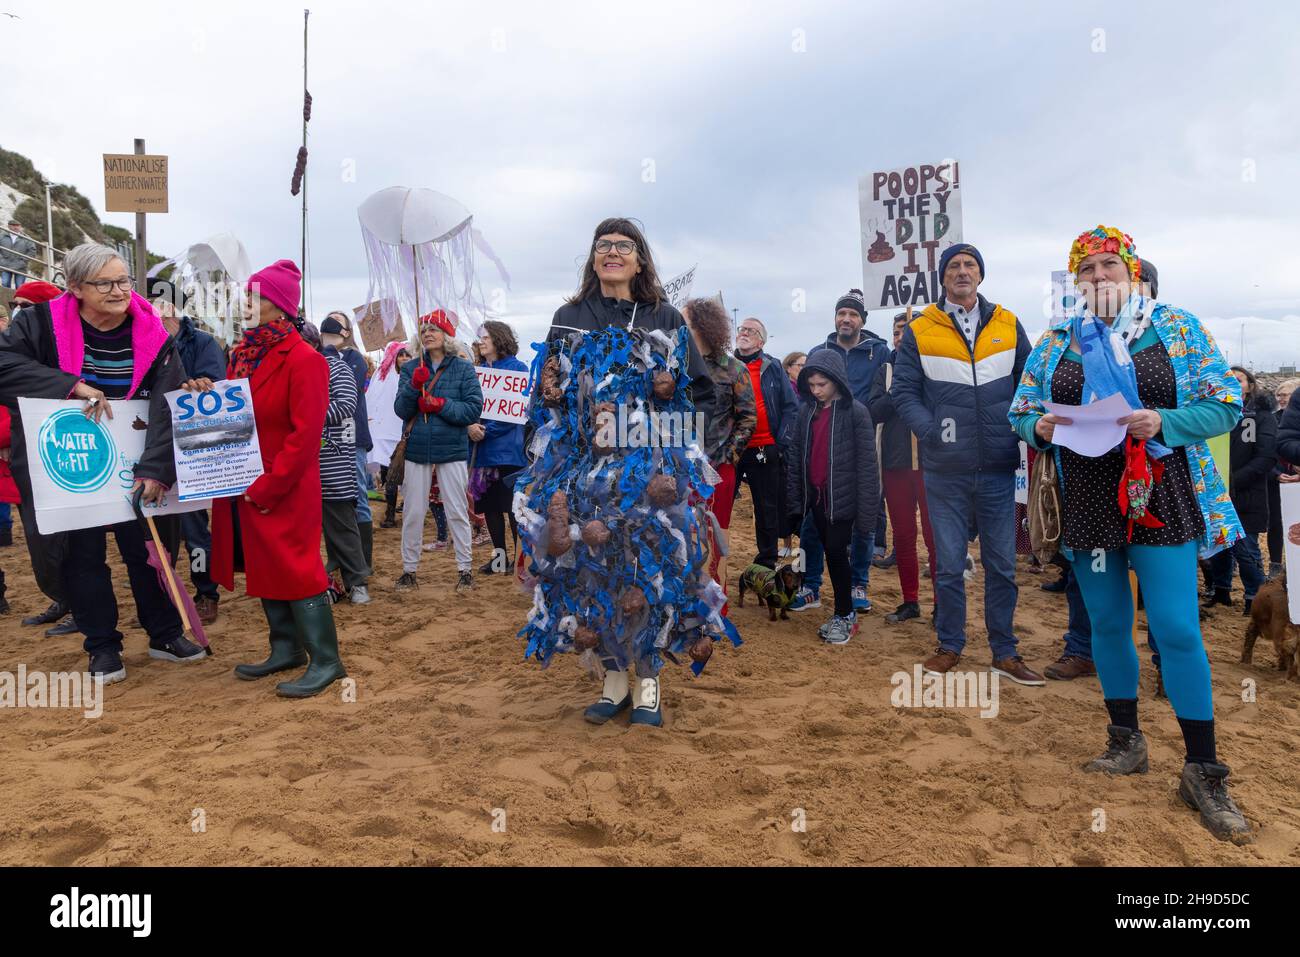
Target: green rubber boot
{"points": [[315, 622], [286, 650]]}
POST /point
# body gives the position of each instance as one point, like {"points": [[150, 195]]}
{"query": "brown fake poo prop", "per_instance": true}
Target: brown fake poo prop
{"points": [[664, 385], [633, 602], [558, 507], [549, 383], [584, 639], [702, 650], [662, 490], [558, 533], [595, 533], [604, 425]]}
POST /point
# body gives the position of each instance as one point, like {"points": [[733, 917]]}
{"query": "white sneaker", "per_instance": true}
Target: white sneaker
{"points": [[360, 595], [969, 573]]}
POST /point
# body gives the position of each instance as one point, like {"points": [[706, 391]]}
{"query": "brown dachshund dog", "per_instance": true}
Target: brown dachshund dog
{"points": [[776, 588], [1270, 617]]}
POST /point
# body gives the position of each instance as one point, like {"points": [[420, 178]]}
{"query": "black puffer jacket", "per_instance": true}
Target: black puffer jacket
{"points": [[1252, 457], [29, 367], [854, 485], [898, 449], [599, 312]]}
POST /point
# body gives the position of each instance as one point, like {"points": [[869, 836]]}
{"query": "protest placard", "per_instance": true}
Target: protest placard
{"points": [[135, 183], [505, 394], [370, 323], [82, 470], [1022, 476], [678, 289], [1064, 294], [909, 216], [214, 439], [1290, 499]]}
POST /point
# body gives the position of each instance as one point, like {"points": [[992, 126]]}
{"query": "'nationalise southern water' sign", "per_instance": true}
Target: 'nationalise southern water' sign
{"points": [[81, 470], [214, 439]]}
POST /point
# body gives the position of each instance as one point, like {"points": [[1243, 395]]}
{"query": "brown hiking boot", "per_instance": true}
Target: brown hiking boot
{"points": [[207, 608], [1069, 667], [1016, 669], [941, 662]]}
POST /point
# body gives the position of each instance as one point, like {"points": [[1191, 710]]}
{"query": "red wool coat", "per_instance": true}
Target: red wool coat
{"points": [[282, 548], [8, 488]]}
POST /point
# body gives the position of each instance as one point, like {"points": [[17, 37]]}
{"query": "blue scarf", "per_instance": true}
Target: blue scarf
{"points": [[1107, 364]]}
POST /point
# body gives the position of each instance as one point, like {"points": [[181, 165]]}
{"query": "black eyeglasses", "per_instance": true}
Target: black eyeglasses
{"points": [[624, 246], [104, 285]]}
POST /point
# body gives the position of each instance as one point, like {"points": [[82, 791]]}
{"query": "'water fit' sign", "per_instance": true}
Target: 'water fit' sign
{"points": [[82, 471]]}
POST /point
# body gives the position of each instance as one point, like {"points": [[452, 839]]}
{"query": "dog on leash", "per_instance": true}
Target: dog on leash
{"points": [[1270, 617], [775, 587]]}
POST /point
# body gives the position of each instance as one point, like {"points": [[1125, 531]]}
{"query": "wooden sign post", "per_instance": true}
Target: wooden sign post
{"points": [[136, 183]]}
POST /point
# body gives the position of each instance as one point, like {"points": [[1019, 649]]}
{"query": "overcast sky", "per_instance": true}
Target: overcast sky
{"points": [[1176, 122]]}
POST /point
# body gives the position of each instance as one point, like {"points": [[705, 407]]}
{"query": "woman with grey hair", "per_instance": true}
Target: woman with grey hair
{"points": [[100, 342]]}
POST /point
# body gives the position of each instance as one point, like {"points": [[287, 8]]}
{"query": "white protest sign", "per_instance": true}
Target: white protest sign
{"points": [[214, 439], [1022, 476], [82, 470], [1290, 492], [909, 216], [1064, 294], [678, 289], [505, 394]]}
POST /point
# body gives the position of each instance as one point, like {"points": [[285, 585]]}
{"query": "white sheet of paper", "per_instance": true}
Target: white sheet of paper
{"points": [[1290, 495], [1093, 430]]}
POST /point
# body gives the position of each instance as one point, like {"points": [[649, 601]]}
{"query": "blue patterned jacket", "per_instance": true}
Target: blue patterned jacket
{"points": [[1201, 372]]}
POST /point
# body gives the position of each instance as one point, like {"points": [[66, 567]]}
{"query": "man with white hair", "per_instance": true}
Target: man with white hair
{"points": [[760, 465]]}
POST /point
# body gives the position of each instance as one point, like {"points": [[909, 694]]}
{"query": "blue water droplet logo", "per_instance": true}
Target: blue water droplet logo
{"points": [[78, 453]]}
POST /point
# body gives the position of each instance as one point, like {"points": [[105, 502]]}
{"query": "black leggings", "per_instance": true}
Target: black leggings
{"points": [[495, 504], [1276, 549], [836, 539]]}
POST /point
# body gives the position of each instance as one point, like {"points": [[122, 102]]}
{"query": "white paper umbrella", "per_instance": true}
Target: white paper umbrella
{"points": [[406, 216], [212, 274], [420, 253]]}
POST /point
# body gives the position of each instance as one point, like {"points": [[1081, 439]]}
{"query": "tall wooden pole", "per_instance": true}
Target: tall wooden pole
{"points": [[141, 247], [305, 15]]}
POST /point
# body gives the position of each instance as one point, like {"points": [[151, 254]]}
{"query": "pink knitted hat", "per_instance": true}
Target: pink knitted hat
{"points": [[281, 283]]}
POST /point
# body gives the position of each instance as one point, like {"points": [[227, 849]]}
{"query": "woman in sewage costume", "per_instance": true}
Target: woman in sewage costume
{"points": [[610, 509]]}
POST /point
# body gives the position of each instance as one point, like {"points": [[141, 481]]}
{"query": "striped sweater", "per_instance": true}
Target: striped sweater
{"points": [[108, 361], [338, 458]]}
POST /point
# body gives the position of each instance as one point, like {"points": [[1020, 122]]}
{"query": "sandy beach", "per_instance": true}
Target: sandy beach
{"points": [[458, 751]]}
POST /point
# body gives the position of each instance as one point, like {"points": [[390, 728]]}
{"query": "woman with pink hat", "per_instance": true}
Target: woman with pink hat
{"points": [[278, 518]]}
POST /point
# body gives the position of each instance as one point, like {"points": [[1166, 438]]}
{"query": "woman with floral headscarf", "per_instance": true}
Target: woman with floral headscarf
{"points": [[1154, 502]]}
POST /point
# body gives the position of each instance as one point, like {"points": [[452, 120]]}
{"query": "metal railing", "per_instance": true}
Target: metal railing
{"points": [[45, 266]]}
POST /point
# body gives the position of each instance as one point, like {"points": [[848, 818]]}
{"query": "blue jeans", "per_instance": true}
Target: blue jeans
{"points": [[363, 487], [11, 280], [1167, 575], [6, 515], [1245, 555], [860, 555], [1078, 630], [987, 499]]}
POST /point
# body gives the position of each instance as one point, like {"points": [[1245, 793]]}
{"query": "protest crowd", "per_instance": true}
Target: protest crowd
{"points": [[854, 453]]}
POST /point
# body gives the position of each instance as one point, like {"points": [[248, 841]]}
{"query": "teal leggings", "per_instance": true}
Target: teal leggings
{"points": [[1168, 576]]}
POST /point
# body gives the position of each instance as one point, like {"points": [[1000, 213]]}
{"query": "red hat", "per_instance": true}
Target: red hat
{"points": [[440, 319], [281, 283], [38, 291]]}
